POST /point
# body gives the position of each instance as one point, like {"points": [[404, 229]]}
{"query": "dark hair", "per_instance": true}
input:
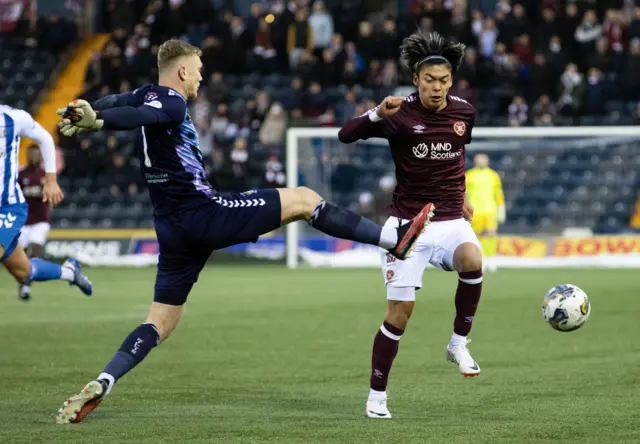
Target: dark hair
{"points": [[33, 146], [418, 46]]}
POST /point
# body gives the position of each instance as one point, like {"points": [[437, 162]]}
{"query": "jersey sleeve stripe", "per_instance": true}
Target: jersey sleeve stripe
{"points": [[9, 129]]}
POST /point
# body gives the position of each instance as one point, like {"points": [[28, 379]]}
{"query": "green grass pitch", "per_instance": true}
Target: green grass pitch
{"points": [[264, 354]]}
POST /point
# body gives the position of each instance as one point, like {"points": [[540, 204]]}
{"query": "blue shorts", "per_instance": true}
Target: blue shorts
{"points": [[12, 219], [188, 238]]}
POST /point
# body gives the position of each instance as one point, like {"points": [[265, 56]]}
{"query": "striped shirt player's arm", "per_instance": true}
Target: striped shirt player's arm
{"points": [[367, 125], [34, 131], [159, 110]]}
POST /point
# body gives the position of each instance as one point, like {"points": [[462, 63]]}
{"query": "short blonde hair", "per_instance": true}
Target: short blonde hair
{"points": [[172, 49]]}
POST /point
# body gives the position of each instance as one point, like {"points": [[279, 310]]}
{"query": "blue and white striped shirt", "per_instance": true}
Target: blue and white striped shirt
{"points": [[14, 124]]}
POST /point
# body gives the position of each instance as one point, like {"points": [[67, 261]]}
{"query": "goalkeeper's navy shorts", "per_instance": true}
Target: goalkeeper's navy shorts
{"points": [[187, 238]]}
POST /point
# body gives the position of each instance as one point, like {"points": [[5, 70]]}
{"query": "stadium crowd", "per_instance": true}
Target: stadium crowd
{"points": [[273, 64]]}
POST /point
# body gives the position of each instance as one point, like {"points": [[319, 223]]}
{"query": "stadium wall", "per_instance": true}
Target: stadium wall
{"points": [[140, 248]]}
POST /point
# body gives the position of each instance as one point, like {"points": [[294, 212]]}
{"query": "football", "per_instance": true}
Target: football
{"points": [[566, 307]]}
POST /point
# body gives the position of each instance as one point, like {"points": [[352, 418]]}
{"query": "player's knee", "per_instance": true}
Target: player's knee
{"points": [[467, 257], [18, 265], [165, 318], [306, 202], [399, 312], [21, 274]]}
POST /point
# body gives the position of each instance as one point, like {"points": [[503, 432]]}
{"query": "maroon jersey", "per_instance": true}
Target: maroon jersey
{"points": [[31, 180], [428, 150]]}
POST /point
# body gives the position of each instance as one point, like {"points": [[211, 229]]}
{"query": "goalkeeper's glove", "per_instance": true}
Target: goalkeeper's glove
{"points": [[67, 129], [82, 109], [502, 214]]}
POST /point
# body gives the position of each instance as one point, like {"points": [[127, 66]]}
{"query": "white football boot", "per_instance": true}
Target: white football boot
{"points": [[377, 406], [458, 353]]}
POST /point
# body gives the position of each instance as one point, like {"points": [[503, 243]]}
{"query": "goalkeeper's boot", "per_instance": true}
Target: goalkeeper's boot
{"points": [[409, 233], [458, 353], [80, 280], [377, 406], [76, 408]]}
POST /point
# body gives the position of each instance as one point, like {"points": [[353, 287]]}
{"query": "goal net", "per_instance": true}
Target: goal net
{"points": [[570, 193]]}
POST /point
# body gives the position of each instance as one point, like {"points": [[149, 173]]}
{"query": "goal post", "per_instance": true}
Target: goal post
{"points": [[306, 150]]}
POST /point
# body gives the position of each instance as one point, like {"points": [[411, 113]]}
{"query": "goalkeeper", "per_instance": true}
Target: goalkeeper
{"points": [[484, 193]]}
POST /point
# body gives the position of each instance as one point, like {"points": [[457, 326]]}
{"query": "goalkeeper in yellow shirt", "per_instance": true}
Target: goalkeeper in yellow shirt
{"points": [[484, 193]]}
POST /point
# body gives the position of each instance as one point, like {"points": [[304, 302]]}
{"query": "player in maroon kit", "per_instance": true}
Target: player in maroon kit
{"points": [[427, 133], [34, 233]]}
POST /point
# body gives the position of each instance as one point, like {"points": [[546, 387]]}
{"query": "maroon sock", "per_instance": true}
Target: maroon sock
{"points": [[385, 349], [467, 298]]}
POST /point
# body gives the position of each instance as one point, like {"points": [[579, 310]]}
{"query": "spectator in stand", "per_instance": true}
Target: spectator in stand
{"points": [[387, 41], [568, 24], [587, 33], [557, 57], [346, 109], [544, 112], [571, 91], [595, 93], [314, 101], [236, 46], [306, 68], [460, 28], [273, 127], [542, 78], [274, 176], [330, 69], [293, 98], [518, 112], [213, 55], [366, 43], [217, 91], [477, 24], [299, 37], [613, 30], [544, 30], [321, 24], [600, 58], [464, 90], [488, 38], [634, 26], [523, 50], [264, 52], [631, 79], [469, 68], [239, 165]]}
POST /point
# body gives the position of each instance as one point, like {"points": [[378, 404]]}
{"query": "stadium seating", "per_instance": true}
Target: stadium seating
{"points": [[23, 73]]}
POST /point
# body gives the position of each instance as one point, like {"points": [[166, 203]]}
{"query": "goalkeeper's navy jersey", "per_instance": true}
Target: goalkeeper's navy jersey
{"points": [[170, 158]]}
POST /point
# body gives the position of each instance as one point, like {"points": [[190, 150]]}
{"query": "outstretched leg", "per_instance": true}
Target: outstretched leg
{"points": [[305, 204], [160, 322], [26, 270]]}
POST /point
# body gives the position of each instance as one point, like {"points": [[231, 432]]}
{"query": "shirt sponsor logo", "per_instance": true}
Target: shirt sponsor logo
{"points": [[435, 151]]}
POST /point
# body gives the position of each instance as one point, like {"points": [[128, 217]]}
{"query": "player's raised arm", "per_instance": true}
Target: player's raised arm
{"points": [[128, 98], [180, 75], [126, 117], [374, 123]]}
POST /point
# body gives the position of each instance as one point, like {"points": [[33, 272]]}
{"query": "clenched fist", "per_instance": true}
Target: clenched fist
{"points": [[389, 106]]}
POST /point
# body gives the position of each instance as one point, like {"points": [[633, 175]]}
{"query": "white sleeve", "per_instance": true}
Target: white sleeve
{"points": [[33, 130]]}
